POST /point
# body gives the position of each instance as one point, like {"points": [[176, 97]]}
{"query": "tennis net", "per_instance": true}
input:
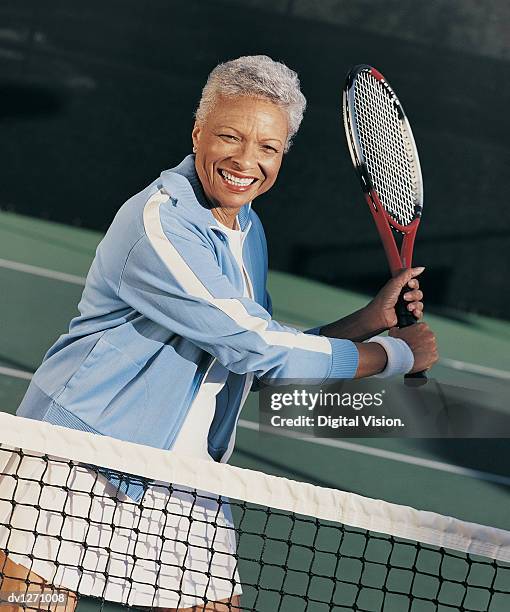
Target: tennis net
{"points": [[106, 520]]}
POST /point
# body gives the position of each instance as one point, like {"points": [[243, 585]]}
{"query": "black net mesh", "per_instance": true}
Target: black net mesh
{"points": [[75, 530]]}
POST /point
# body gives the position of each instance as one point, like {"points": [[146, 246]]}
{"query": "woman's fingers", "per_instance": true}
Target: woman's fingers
{"points": [[413, 296]]}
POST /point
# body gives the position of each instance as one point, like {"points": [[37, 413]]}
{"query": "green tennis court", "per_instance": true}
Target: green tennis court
{"points": [[42, 270]]}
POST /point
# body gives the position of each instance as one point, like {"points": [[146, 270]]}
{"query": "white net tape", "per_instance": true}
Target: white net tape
{"points": [[251, 486], [388, 151]]}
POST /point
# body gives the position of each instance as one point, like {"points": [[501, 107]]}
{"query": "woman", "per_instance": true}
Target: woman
{"points": [[175, 320]]}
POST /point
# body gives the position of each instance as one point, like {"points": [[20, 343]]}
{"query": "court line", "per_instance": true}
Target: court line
{"points": [[453, 364], [472, 368], [44, 272], [348, 446], [15, 373], [381, 453]]}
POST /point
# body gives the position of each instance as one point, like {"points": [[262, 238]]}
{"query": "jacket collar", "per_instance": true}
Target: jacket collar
{"points": [[196, 196]]}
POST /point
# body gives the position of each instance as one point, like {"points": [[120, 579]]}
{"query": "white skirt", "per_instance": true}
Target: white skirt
{"points": [[171, 549]]}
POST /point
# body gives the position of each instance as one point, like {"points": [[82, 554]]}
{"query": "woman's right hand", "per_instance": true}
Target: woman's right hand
{"points": [[421, 341]]}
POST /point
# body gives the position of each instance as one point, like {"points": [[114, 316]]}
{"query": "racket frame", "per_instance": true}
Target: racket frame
{"points": [[387, 227]]}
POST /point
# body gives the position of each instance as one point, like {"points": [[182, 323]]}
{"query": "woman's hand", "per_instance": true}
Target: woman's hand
{"points": [[380, 313], [420, 339], [422, 342]]}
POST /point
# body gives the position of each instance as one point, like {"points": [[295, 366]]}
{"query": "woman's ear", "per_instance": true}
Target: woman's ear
{"points": [[195, 135]]}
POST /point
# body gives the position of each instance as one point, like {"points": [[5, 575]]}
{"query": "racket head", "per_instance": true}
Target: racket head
{"points": [[382, 147]]}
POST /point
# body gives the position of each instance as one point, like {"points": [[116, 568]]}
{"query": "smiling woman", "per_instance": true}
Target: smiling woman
{"points": [[249, 112], [175, 324], [239, 151]]}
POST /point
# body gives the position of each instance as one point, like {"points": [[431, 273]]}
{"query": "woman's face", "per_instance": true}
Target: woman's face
{"points": [[239, 149]]}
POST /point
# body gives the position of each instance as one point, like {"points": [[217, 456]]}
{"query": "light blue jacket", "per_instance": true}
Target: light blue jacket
{"points": [[163, 300]]}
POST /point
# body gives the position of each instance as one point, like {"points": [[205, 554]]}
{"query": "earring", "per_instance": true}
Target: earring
{"points": [[194, 149]]}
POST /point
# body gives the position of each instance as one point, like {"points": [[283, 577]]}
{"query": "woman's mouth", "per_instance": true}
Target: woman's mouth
{"points": [[235, 182]]}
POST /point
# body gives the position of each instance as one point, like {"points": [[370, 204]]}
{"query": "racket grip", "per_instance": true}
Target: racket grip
{"points": [[405, 318]]}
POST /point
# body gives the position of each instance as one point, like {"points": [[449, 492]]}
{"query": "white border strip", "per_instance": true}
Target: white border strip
{"points": [[473, 368], [256, 487], [382, 453], [44, 272], [13, 373], [231, 307]]}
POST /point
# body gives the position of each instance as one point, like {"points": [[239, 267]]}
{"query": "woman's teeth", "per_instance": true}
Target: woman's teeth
{"points": [[235, 180]]}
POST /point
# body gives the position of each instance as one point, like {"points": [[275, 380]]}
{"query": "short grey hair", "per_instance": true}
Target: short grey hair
{"points": [[256, 76]]}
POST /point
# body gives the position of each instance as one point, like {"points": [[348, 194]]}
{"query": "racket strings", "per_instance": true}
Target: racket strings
{"points": [[387, 149]]}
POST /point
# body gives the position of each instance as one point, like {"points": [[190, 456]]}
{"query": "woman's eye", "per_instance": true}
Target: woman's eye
{"points": [[229, 137], [270, 149]]}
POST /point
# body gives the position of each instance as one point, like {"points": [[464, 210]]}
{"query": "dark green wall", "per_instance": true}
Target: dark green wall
{"points": [[97, 98]]}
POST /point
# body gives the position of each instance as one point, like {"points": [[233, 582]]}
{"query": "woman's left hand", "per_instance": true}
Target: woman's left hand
{"points": [[380, 312]]}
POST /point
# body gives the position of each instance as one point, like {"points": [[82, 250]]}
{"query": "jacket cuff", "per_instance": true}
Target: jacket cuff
{"points": [[344, 358]]}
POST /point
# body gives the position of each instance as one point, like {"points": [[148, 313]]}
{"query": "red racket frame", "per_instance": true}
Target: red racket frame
{"points": [[397, 260], [387, 227]]}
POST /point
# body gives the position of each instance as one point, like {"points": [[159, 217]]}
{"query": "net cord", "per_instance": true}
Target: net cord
{"points": [[253, 487]]}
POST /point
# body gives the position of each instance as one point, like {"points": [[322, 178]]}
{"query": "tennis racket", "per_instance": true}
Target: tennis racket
{"points": [[384, 155]]}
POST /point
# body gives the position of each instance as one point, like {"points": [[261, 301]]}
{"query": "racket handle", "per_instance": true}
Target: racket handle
{"points": [[405, 318]]}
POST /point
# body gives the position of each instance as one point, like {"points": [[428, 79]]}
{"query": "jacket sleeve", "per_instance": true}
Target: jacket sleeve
{"points": [[172, 277]]}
